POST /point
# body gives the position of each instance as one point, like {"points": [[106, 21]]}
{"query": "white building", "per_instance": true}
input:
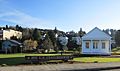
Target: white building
{"points": [[7, 34], [96, 42]]}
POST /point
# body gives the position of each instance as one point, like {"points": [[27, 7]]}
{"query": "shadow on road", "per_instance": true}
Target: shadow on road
{"points": [[95, 69], [12, 61]]}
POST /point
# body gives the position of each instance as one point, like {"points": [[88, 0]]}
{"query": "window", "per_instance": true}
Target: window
{"points": [[103, 45], [95, 44], [87, 44]]}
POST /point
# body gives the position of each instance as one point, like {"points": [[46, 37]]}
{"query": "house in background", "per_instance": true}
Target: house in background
{"points": [[96, 42], [11, 46], [6, 44], [8, 33]]}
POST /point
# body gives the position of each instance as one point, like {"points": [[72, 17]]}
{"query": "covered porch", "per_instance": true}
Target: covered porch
{"points": [[96, 46]]}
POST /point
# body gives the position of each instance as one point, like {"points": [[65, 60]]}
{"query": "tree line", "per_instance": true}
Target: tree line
{"points": [[43, 40]]}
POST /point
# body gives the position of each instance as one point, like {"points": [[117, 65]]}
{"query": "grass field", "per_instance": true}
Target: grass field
{"points": [[98, 59], [16, 59], [23, 55]]}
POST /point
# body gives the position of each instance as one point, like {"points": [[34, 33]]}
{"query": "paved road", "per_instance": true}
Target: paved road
{"points": [[66, 67]]}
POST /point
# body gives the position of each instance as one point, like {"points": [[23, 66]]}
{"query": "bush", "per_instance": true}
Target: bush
{"points": [[4, 65], [95, 61], [116, 53], [40, 50]]}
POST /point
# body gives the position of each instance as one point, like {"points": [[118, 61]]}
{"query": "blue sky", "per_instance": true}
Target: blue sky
{"points": [[66, 15]]}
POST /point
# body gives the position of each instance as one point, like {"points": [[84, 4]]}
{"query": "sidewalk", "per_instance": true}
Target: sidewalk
{"points": [[66, 67]]}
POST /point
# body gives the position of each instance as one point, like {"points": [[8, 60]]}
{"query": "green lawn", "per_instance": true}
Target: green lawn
{"points": [[23, 55], [15, 59], [98, 59]]}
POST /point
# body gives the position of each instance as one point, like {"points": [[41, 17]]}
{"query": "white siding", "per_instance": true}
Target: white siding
{"points": [[7, 34], [96, 35]]}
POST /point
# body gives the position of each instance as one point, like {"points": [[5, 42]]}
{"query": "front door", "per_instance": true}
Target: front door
{"points": [[95, 46]]}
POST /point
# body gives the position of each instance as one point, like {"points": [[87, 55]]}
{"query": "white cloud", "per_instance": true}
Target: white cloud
{"points": [[23, 19], [10, 14]]}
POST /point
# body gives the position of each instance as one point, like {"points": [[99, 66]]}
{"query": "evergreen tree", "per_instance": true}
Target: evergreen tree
{"points": [[55, 30], [47, 44], [52, 37], [26, 34], [81, 33], [117, 38], [6, 26], [17, 27], [36, 34]]}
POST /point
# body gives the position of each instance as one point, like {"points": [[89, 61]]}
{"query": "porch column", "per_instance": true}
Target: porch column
{"points": [[100, 45], [83, 46], [91, 46], [110, 46]]}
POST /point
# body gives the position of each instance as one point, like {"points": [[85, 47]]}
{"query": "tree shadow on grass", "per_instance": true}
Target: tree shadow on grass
{"points": [[12, 61]]}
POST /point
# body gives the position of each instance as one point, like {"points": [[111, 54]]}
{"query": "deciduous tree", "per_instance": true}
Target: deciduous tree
{"points": [[30, 45]]}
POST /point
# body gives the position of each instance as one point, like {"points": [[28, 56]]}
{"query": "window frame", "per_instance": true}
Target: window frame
{"points": [[104, 45], [87, 44], [95, 44]]}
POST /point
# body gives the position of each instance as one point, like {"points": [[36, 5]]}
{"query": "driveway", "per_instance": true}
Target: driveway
{"points": [[66, 67]]}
